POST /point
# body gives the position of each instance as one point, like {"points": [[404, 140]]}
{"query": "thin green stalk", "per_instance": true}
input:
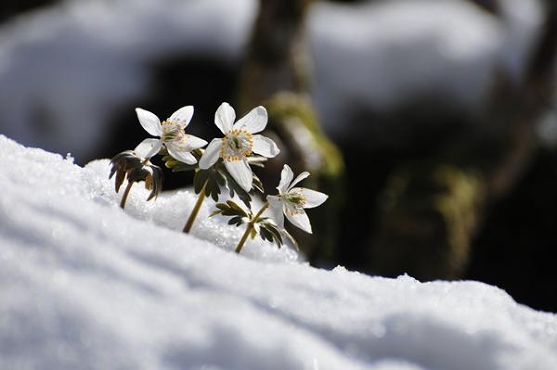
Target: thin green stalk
{"points": [[196, 208], [250, 227], [125, 196]]}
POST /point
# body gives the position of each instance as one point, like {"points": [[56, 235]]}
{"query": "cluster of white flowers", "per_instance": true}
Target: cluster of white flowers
{"points": [[229, 160]]}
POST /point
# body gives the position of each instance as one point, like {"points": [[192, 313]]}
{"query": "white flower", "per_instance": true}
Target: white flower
{"points": [[291, 201], [171, 134], [238, 143]]}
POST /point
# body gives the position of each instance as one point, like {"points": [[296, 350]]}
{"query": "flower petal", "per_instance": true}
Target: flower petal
{"points": [[300, 220], [186, 144], [241, 172], [182, 116], [180, 153], [286, 176], [264, 146], [224, 117], [148, 148], [275, 208], [193, 142], [299, 178], [211, 154], [313, 198], [255, 121], [149, 121]]}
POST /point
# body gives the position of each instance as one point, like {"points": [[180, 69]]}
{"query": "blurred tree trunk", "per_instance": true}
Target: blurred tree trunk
{"points": [[276, 74], [524, 104], [277, 58], [434, 206]]}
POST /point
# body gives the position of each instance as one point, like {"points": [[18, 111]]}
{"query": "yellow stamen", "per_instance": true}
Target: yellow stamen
{"points": [[236, 145]]}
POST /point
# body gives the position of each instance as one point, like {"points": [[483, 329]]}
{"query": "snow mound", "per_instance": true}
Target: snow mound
{"points": [[87, 285]]}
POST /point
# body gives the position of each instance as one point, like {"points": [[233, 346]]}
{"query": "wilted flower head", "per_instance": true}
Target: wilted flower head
{"points": [[171, 134], [239, 142], [291, 201], [135, 168]]}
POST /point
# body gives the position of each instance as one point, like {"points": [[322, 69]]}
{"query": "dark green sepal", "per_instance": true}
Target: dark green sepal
{"points": [[129, 165]]}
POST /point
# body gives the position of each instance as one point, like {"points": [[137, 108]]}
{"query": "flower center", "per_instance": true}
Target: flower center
{"points": [[171, 132], [296, 202], [236, 145]]}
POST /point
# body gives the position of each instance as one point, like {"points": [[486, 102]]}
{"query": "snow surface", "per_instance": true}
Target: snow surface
{"points": [[96, 56], [87, 285]]}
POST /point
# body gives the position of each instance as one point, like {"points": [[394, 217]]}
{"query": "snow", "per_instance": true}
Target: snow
{"points": [[88, 285], [97, 56]]}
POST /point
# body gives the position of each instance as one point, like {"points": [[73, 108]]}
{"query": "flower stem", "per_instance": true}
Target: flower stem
{"points": [[125, 196], [250, 227], [196, 208]]}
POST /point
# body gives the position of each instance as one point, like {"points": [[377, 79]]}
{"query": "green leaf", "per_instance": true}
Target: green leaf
{"points": [[214, 181], [173, 164], [199, 180], [222, 206], [215, 212], [236, 220], [231, 209], [237, 208], [275, 231], [270, 231], [182, 167], [266, 235]]}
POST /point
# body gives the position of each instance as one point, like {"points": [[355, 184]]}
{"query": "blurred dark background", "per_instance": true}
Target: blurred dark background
{"points": [[429, 184]]}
